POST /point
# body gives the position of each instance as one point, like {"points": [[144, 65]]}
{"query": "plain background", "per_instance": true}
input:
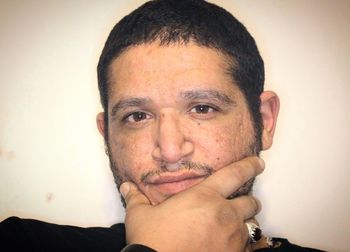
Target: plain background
{"points": [[52, 161]]}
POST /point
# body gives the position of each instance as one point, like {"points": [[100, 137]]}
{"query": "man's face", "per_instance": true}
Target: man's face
{"points": [[175, 117]]}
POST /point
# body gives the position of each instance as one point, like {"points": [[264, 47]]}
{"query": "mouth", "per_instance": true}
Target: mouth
{"points": [[171, 183]]}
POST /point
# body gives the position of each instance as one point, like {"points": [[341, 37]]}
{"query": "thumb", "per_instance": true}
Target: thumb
{"points": [[132, 195]]}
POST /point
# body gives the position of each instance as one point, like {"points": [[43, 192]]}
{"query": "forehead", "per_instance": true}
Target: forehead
{"points": [[152, 68]]}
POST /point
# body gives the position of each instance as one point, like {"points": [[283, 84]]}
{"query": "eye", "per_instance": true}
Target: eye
{"points": [[202, 109], [136, 117]]}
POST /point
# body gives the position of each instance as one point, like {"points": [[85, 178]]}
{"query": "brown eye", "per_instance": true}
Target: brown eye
{"points": [[137, 117], [202, 109]]}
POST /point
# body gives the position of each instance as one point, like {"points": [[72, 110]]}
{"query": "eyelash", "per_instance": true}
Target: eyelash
{"points": [[126, 120], [205, 110], [207, 107]]}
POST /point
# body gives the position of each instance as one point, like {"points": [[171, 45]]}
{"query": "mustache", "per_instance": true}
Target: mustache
{"points": [[207, 170]]}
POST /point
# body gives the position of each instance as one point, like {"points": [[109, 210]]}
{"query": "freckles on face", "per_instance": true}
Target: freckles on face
{"points": [[173, 87], [225, 146], [129, 152], [226, 141]]}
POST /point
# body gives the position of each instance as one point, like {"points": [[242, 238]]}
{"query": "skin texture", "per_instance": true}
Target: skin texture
{"points": [[197, 219], [180, 130], [173, 132]]}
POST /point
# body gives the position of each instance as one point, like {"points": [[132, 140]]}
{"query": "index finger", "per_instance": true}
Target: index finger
{"points": [[230, 178]]}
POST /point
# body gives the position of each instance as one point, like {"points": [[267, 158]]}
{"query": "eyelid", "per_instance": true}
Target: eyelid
{"points": [[127, 115], [209, 107], [214, 107]]}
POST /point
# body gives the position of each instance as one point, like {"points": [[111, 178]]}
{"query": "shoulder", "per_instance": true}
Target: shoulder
{"points": [[37, 235]]}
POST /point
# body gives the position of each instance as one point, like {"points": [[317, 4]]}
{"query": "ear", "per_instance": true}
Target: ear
{"points": [[100, 120], [270, 105]]}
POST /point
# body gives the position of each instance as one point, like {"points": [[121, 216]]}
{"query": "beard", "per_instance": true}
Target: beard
{"points": [[245, 189], [252, 149]]}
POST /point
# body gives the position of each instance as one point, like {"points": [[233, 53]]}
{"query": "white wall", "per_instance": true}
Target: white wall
{"points": [[52, 162]]}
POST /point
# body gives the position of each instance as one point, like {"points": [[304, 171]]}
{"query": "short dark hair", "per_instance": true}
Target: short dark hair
{"points": [[182, 21]]}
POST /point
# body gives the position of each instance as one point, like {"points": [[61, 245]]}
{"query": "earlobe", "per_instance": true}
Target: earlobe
{"points": [[100, 123], [269, 109]]}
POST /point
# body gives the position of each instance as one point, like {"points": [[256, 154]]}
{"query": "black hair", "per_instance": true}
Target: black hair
{"points": [[182, 21]]}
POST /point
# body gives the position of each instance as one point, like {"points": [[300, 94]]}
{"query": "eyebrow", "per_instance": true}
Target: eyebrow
{"points": [[208, 95], [129, 102], [188, 95]]}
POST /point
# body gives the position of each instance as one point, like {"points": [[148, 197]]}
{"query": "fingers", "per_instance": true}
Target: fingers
{"points": [[253, 220], [230, 178], [132, 195], [246, 207]]}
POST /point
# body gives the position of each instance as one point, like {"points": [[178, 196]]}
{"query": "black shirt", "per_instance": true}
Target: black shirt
{"points": [[32, 235]]}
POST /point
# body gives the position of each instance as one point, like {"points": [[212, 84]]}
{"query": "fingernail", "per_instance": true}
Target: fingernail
{"points": [[124, 189]]}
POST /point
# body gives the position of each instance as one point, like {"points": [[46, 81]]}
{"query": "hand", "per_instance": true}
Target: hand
{"points": [[199, 218]]}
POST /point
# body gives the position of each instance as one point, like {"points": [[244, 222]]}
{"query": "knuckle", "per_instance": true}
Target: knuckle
{"points": [[253, 162], [257, 205], [254, 205], [240, 174]]}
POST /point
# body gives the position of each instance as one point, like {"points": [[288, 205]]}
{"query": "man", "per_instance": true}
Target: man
{"points": [[185, 117]]}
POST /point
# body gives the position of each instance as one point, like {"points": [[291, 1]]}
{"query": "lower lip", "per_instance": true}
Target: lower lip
{"points": [[171, 188]]}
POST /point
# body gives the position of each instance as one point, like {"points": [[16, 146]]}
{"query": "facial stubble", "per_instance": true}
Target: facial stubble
{"points": [[245, 189]]}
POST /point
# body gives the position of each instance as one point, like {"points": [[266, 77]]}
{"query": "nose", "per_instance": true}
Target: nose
{"points": [[172, 141]]}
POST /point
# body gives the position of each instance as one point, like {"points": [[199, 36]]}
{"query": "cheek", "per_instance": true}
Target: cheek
{"points": [[224, 144], [132, 154]]}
